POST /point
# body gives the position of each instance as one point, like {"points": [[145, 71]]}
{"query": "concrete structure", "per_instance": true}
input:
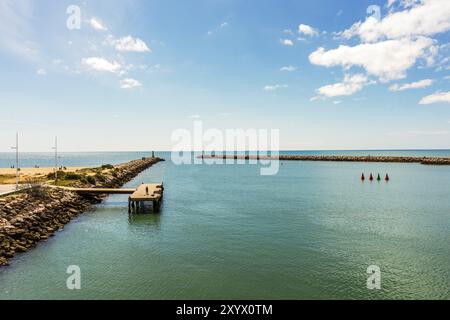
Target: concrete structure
{"points": [[144, 193], [7, 189]]}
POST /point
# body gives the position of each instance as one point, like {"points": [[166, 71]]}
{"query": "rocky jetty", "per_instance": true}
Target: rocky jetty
{"points": [[36, 214], [421, 160]]}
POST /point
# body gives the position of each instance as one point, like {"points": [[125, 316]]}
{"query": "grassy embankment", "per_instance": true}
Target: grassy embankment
{"points": [[66, 177]]}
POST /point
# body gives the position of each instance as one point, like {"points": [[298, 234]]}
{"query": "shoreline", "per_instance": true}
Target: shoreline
{"points": [[8, 175], [330, 158], [39, 170], [34, 215]]}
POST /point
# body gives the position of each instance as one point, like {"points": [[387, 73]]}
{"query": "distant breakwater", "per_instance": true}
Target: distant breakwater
{"points": [[392, 159], [29, 217]]}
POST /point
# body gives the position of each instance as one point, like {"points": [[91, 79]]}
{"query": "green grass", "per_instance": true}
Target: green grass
{"points": [[87, 176]]}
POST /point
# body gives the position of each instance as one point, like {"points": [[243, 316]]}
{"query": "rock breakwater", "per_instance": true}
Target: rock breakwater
{"points": [[393, 159], [34, 215]]}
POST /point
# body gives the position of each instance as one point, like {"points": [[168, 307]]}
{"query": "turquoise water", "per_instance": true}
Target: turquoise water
{"points": [[69, 159], [92, 159], [309, 232]]}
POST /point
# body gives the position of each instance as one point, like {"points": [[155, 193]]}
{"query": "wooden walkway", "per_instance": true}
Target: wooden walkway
{"points": [[150, 192], [99, 190]]}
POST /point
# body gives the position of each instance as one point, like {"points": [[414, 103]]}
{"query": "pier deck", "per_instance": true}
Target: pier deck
{"points": [[146, 193]]}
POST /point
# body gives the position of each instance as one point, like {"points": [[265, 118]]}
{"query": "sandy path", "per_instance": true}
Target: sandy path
{"points": [[8, 175], [7, 188], [35, 171]]}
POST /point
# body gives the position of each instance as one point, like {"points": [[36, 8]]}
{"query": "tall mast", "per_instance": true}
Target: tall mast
{"points": [[17, 160], [56, 158]]}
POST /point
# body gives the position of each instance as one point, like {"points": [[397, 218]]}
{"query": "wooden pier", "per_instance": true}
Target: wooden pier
{"points": [[152, 192], [99, 190], [146, 193]]}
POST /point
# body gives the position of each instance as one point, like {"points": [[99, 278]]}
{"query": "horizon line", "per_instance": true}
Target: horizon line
{"points": [[284, 150]]}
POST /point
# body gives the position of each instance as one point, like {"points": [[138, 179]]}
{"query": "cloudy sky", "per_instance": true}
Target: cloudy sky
{"points": [[329, 74]]}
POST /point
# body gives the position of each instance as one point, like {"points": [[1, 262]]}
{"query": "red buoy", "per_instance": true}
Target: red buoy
{"points": [[363, 177], [371, 177], [387, 177]]}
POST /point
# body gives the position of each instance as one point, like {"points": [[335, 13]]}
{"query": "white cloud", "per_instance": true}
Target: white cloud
{"points": [[288, 68], [410, 3], [129, 83], [437, 97], [41, 72], [286, 42], [307, 30], [97, 25], [426, 18], [388, 60], [194, 116], [101, 64], [414, 85], [274, 87], [350, 85], [16, 29], [337, 102], [390, 3], [390, 46], [129, 44], [223, 25]]}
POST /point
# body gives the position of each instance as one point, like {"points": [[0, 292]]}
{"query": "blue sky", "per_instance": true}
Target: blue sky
{"points": [[328, 74]]}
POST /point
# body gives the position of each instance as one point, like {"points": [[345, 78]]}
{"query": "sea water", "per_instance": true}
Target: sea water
{"points": [[309, 232]]}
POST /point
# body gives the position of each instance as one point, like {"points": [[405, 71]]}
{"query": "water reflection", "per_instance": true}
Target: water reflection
{"points": [[145, 219]]}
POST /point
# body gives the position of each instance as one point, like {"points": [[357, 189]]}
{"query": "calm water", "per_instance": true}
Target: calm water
{"points": [[92, 159], [310, 231]]}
